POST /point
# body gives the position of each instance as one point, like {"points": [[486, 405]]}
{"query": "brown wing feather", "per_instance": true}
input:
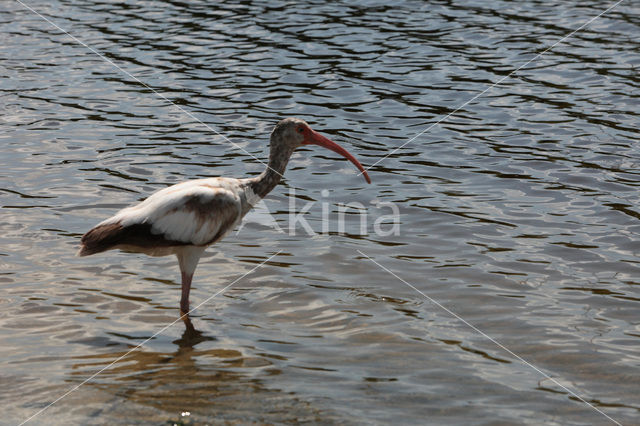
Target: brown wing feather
{"points": [[225, 212], [198, 213], [109, 236], [216, 216]]}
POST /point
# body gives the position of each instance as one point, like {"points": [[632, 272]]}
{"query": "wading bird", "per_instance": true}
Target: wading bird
{"points": [[186, 218]]}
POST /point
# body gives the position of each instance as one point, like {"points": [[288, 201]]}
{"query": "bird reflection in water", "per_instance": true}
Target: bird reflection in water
{"points": [[190, 336], [153, 386]]}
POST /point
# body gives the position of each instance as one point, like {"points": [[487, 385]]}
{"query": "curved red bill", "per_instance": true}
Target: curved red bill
{"points": [[313, 137]]}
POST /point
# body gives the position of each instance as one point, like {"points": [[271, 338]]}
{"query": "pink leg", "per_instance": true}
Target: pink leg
{"points": [[186, 288], [188, 259]]}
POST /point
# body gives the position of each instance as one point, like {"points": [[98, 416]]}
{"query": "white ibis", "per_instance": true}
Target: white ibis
{"points": [[185, 218]]}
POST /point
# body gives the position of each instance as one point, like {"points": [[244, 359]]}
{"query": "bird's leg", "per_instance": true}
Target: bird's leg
{"points": [[188, 259], [186, 288]]}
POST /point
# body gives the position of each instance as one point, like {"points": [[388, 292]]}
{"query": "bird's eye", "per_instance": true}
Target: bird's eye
{"points": [[300, 129]]}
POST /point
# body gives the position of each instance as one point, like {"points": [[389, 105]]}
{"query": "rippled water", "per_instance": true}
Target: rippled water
{"points": [[519, 212]]}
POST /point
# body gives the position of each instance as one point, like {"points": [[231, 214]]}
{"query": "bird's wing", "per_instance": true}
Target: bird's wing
{"points": [[197, 212]]}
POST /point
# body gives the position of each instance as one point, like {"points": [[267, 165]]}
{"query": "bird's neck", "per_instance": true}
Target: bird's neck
{"points": [[271, 176]]}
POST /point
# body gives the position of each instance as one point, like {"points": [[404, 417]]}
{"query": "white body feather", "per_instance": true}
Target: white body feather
{"points": [[170, 211]]}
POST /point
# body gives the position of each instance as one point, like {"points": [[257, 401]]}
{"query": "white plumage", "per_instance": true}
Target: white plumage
{"points": [[179, 212]]}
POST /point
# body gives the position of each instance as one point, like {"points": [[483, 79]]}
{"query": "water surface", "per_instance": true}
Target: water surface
{"points": [[518, 213]]}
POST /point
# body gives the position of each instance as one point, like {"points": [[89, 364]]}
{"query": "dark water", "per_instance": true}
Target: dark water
{"points": [[518, 213]]}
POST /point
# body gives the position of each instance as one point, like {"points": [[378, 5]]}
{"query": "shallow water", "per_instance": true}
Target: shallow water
{"points": [[518, 213]]}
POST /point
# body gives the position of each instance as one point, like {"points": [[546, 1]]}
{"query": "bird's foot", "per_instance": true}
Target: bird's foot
{"points": [[189, 328], [184, 316]]}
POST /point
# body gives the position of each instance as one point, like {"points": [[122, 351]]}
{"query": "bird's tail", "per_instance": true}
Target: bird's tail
{"points": [[99, 239], [86, 251]]}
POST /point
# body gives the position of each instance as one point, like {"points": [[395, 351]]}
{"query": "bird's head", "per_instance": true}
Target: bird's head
{"points": [[292, 133]]}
